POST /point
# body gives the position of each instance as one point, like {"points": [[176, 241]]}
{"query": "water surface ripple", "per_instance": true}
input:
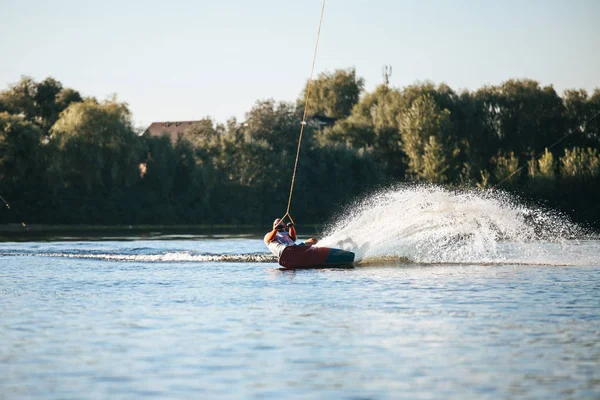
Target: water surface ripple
{"points": [[89, 327]]}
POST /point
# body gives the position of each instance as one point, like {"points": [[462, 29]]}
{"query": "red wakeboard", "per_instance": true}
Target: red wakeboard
{"points": [[299, 257]]}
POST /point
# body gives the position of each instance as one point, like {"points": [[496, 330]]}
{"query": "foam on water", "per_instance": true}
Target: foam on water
{"points": [[432, 225], [169, 257]]}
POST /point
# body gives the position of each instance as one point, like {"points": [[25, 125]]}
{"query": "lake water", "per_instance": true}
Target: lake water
{"points": [[482, 307], [169, 319]]}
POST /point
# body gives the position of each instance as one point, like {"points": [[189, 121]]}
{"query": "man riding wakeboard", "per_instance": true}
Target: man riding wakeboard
{"points": [[278, 239]]}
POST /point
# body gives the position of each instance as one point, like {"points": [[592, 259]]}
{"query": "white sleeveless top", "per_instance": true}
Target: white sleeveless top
{"points": [[284, 238]]}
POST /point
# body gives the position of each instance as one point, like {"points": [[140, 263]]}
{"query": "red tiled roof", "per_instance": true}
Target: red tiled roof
{"points": [[173, 129]]}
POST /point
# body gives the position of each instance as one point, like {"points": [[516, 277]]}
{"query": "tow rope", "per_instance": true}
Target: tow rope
{"points": [[303, 124]]}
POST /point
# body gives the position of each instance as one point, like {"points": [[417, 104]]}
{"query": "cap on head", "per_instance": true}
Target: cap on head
{"points": [[276, 222]]}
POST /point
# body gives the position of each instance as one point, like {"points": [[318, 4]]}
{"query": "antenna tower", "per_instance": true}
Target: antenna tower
{"points": [[387, 73]]}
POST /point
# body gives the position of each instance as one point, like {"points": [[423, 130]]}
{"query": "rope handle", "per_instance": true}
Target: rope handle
{"points": [[287, 215]]}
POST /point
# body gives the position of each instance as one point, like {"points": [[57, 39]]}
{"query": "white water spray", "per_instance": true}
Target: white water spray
{"points": [[428, 224]]}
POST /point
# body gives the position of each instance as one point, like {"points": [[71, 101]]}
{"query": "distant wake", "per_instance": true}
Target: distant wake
{"points": [[176, 257], [186, 257]]}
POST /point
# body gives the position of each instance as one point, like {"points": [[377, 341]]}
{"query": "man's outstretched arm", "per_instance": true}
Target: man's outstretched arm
{"points": [[270, 236]]}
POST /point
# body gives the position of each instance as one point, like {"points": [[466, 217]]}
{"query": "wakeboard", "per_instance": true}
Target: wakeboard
{"points": [[306, 257]]}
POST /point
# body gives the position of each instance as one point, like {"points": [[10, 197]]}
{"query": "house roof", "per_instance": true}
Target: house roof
{"points": [[171, 128]]}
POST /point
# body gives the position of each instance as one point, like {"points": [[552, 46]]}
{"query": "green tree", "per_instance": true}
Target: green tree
{"points": [[20, 98], [203, 131], [504, 166], [475, 137], [580, 163], [373, 125], [160, 166], [38, 102], [442, 94], [543, 167], [542, 174], [333, 94], [434, 164], [375, 122], [524, 116], [591, 123], [484, 181], [424, 129], [22, 166], [576, 112], [99, 149], [20, 148], [47, 109], [65, 97], [277, 125]]}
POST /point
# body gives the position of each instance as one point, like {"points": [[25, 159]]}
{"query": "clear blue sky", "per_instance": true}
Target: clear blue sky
{"points": [[185, 59]]}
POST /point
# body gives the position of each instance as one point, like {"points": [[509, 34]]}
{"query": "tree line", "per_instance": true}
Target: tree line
{"points": [[66, 159]]}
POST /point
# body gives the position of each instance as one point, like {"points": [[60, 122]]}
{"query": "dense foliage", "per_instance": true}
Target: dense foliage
{"points": [[68, 160]]}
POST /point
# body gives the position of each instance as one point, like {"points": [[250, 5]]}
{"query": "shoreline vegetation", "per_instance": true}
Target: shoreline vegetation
{"points": [[41, 228], [19, 232], [70, 161]]}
